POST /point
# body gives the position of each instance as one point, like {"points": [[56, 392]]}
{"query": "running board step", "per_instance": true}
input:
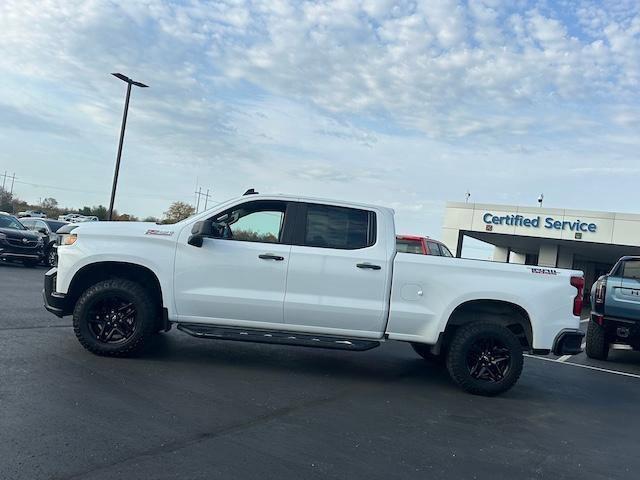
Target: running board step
{"points": [[276, 337]]}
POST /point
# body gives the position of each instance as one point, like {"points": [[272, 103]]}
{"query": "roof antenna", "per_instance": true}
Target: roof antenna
{"points": [[251, 191]]}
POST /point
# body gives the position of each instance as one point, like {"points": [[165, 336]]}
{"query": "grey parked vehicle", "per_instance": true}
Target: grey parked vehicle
{"points": [[615, 309], [46, 229]]}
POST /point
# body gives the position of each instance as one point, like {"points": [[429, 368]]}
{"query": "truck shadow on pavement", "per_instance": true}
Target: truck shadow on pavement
{"points": [[381, 365]]}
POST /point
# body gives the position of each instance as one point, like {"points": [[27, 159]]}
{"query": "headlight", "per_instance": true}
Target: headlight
{"points": [[40, 241], [69, 239]]}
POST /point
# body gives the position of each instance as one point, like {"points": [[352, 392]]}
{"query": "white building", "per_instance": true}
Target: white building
{"points": [[550, 237]]}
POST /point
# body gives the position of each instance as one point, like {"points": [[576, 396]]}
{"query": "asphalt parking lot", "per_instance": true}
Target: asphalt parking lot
{"points": [[196, 409]]}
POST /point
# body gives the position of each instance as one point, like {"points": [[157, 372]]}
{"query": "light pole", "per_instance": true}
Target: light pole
{"points": [[124, 124]]}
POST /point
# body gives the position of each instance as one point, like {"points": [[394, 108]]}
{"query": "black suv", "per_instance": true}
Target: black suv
{"points": [[17, 243]]}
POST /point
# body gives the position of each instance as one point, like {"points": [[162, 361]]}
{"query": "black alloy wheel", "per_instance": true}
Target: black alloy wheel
{"points": [[488, 359], [112, 320], [115, 317]]}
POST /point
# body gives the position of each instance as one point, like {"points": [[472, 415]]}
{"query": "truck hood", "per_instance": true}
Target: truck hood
{"points": [[125, 229]]}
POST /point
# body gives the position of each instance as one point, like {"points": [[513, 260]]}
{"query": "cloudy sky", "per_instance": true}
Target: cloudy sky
{"points": [[404, 103]]}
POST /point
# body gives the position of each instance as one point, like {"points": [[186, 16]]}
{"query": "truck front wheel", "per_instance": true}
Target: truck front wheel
{"points": [[484, 358], [114, 317], [597, 346]]}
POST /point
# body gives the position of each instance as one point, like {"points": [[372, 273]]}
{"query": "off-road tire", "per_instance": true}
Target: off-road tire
{"points": [[597, 346], [145, 317], [456, 358], [424, 351]]}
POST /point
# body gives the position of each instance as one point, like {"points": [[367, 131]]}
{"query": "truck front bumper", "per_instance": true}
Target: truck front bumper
{"points": [[56, 303], [568, 342]]}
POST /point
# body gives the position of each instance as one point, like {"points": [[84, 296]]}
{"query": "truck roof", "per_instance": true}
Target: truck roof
{"points": [[302, 198]]}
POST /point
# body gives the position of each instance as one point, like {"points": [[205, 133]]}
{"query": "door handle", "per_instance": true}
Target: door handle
{"points": [[370, 266], [270, 256]]}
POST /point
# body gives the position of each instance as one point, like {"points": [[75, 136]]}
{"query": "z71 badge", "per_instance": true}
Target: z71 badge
{"points": [[166, 233]]}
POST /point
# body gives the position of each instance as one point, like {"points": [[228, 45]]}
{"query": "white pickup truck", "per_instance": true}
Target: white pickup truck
{"points": [[311, 272]]}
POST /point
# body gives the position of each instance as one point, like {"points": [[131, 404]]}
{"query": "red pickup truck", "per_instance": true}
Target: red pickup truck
{"points": [[421, 246]]}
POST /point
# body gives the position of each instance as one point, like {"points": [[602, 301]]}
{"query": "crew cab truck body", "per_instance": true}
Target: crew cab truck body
{"points": [[615, 309], [300, 271]]}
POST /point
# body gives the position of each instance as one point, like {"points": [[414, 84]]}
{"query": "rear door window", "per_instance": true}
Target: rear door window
{"points": [[343, 228], [445, 251], [433, 249]]}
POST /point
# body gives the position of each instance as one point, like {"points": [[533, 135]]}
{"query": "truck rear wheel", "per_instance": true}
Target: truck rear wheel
{"points": [[597, 346], [114, 317], [484, 358]]}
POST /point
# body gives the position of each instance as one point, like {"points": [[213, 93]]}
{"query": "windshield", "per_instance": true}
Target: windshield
{"points": [[7, 221], [409, 246], [54, 226]]}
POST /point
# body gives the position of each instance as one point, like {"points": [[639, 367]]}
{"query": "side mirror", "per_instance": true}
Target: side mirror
{"points": [[199, 231], [42, 230]]}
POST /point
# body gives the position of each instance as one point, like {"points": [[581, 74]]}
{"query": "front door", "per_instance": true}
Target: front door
{"points": [[238, 279]]}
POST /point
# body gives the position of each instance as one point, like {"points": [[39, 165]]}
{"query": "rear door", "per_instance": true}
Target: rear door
{"points": [[339, 271], [626, 293]]}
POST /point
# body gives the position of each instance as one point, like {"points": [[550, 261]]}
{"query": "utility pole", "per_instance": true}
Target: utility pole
{"points": [[122, 128], [198, 193], [4, 177], [13, 179]]}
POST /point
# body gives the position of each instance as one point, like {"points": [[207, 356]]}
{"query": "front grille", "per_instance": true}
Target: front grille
{"points": [[17, 242]]}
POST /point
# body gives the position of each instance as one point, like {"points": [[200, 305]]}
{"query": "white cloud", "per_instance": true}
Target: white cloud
{"points": [[403, 102]]}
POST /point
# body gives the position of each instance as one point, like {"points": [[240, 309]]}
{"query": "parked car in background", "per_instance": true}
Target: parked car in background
{"points": [[77, 218], [32, 213], [421, 246], [615, 309], [69, 217], [17, 243], [46, 229]]}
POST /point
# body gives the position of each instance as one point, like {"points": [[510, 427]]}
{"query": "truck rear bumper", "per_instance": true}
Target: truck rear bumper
{"points": [[568, 342], [619, 330], [56, 303]]}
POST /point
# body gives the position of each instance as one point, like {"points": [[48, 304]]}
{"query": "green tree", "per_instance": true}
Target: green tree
{"points": [[178, 211], [49, 203]]}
